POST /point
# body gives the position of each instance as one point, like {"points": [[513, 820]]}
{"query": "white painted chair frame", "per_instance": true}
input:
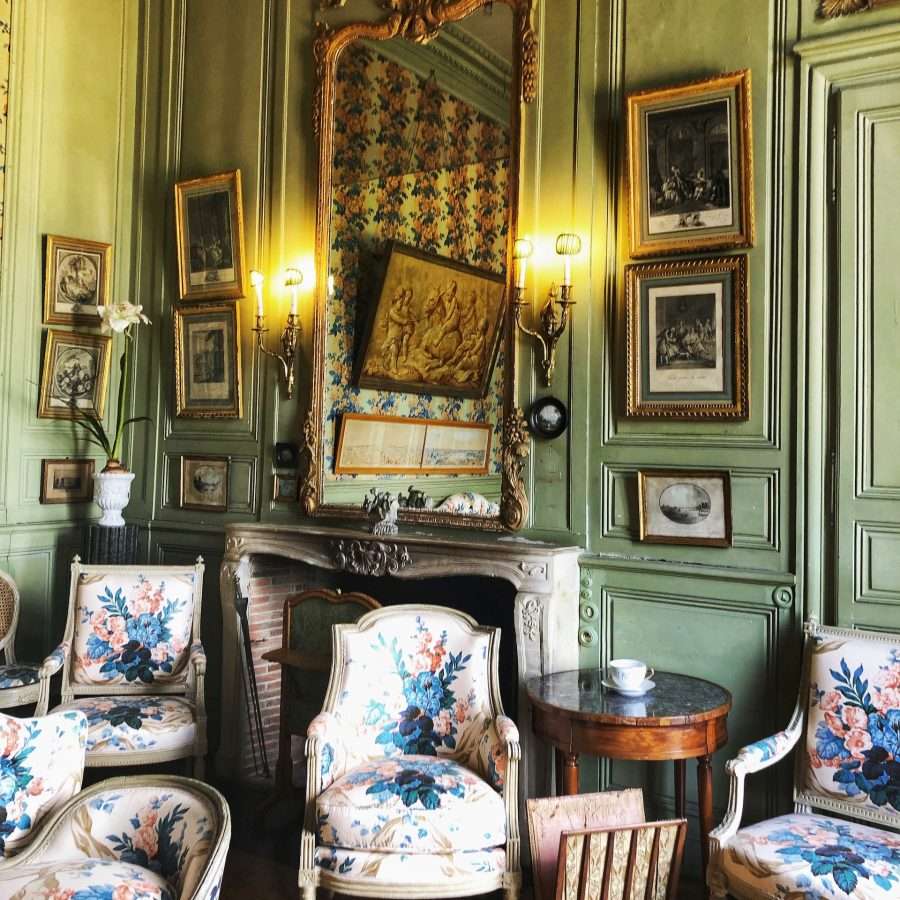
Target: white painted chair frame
{"points": [[193, 686], [311, 876], [749, 761], [30, 693]]}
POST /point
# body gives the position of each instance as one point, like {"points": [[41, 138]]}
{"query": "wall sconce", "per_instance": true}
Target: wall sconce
{"points": [[555, 313], [293, 278]]}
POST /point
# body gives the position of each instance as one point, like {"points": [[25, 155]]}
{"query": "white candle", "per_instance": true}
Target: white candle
{"points": [[256, 279], [523, 270], [567, 271]]}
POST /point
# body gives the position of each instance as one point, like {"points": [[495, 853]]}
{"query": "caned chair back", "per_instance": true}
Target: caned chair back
{"points": [[9, 616], [634, 862], [415, 680], [131, 628], [849, 758]]}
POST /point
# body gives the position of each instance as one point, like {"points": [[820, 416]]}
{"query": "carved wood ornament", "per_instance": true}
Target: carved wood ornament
{"points": [[419, 21], [831, 9]]}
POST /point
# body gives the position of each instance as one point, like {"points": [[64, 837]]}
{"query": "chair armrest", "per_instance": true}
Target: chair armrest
{"points": [[49, 667], [329, 751], [498, 747], [198, 658]]}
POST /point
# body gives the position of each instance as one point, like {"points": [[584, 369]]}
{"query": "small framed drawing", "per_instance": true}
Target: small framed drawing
{"points": [[690, 167], [76, 280], [67, 480], [209, 227], [685, 507], [75, 375], [204, 483], [548, 417], [207, 362], [434, 328], [688, 351], [286, 489]]}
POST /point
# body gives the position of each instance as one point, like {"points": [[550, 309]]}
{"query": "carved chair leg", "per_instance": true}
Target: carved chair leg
{"points": [[309, 892], [511, 892]]}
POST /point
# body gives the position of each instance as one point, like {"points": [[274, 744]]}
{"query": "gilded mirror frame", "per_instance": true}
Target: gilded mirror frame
{"points": [[419, 21]]}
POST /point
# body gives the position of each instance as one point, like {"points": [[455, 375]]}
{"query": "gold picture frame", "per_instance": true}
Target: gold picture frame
{"points": [[208, 362], [74, 376], [204, 483], [209, 229], [690, 167], [76, 279], [688, 353], [67, 480], [685, 506]]}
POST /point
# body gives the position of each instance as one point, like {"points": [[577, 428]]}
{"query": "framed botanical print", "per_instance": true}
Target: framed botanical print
{"points": [[687, 339], [75, 376], [76, 280], [434, 327], [209, 226], [690, 167], [685, 507], [207, 362], [67, 480], [204, 483]]}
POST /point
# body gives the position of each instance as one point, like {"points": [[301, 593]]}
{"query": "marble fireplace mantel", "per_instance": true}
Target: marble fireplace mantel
{"points": [[545, 576]]}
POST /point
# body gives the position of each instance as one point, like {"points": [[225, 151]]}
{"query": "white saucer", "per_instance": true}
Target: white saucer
{"points": [[646, 685]]}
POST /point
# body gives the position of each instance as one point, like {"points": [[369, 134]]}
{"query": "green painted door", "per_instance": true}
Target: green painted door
{"points": [[867, 363]]}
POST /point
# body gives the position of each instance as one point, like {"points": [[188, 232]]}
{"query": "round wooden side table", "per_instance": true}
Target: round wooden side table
{"points": [[681, 718]]}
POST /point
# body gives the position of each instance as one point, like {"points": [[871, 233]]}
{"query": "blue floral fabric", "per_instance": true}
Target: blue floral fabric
{"points": [[87, 879], [802, 857], [15, 676], [400, 868]]}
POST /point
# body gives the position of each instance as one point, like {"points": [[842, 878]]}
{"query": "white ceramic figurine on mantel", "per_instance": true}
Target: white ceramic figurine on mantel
{"points": [[112, 486]]}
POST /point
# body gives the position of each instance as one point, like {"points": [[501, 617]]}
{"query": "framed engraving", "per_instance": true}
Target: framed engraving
{"points": [[685, 506], [67, 480], [204, 483], [286, 488], [688, 345], [690, 167], [76, 280], [75, 375]]}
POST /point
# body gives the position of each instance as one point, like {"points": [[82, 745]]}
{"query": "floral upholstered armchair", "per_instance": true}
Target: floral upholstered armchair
{"points": [[132, 662], [41, 765], [19, 684], [151, 837], [846, 730], [412, 768]]}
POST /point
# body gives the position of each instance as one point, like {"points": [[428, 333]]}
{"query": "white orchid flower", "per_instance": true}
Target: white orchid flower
{"points": [[119, 316]]}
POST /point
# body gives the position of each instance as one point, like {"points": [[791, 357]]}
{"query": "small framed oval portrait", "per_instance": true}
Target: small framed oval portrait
{"points": [[548, 417]]}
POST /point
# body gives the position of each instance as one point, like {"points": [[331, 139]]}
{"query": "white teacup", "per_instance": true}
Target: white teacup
{"points": [[628, 674]]}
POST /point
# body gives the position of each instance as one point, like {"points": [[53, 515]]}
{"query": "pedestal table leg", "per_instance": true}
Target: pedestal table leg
{"points": [[705, 804], [680, 783], [570, 775]]}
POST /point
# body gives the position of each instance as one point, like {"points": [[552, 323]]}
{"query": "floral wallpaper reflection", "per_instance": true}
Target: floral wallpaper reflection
{"points": [[415, 164]]}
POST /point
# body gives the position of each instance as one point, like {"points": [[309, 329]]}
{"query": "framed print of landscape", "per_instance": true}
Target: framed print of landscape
{"points": [[204, 483], [685, 507], [67, 480], [76, 280], [209, 227], [687, 339], [690, 167], [434, 328], [75, 375]]}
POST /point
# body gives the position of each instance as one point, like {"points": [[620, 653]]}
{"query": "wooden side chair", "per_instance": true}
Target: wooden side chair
{"points": [[19, 684], [305, 660]]}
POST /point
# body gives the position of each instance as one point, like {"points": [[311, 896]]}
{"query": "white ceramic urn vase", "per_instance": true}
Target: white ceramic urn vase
{"points": [[112, 491]]}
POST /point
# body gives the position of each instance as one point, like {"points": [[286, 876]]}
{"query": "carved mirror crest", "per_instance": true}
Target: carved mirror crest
{"points": [[418, 120]]}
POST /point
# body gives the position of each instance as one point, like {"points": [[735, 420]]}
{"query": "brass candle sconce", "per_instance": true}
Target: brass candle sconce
{"points": [[293, 278]]}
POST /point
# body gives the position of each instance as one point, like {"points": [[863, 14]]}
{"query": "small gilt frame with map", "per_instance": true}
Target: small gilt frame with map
{"points": [[434, 328]]}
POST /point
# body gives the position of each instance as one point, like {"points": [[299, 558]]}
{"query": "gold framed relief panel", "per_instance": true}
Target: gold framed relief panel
{"points": [[208, 362], [75, 375], [690, 167], [688, 344], [76, 280], [209, 229]]}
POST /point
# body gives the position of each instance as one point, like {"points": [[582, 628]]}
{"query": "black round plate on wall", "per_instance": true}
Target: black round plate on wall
{"points": [[548, 417]]}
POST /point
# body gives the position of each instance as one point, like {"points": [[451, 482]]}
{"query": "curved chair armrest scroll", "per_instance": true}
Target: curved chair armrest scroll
{"points": [[329, 749], [198, 658], [49, 667]]}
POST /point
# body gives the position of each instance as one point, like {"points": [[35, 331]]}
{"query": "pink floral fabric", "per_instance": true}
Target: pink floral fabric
{"points": [[401, 868], [132, 629]]}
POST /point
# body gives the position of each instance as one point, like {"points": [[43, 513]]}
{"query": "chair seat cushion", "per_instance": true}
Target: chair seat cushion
{"points": [[15, 676], [813, 856], [411, 804], [402, 869], [125, 724], [85, 879]]}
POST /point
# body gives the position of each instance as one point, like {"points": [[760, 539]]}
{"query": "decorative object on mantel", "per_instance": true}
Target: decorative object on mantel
{"points": [[548, 417], [830, 9], [415, 499], [555, 314], [290, 336], [383, 507], [370, 557], [468, 503]]}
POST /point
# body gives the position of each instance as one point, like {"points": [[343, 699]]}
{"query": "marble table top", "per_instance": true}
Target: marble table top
{"points": [[676, 699]]}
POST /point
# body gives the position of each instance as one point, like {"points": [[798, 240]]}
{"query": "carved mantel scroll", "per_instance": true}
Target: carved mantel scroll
{"points": [[370, 557]]}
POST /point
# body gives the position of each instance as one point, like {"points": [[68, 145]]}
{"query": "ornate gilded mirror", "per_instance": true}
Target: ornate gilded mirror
{"points": [[418, 120]]}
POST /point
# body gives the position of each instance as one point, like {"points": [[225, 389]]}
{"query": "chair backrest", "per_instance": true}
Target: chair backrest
{"points": [[849, 759], [414, 680], [41, 764], [9, 616], [131, 627]]}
